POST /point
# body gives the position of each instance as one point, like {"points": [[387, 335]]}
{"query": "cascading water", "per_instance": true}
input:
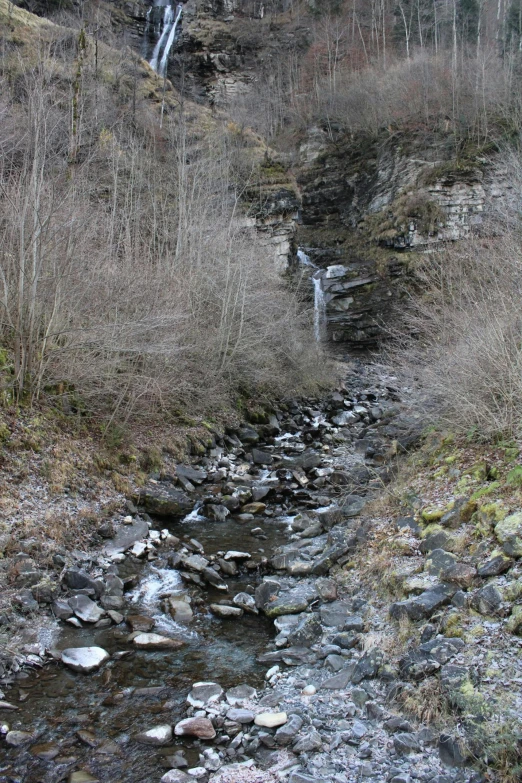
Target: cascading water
{"points": [[319, 308], [169, 27], [304, 259]]}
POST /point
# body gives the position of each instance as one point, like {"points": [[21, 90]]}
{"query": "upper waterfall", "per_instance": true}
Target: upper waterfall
{"points": [[167, 36]]}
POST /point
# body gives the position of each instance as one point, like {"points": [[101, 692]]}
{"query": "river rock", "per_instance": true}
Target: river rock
{"points": [[140, 622], [285, 734], [217, 513], [153, 641], [165, 500], [261, 457], [18, 738], [424, 605], [195, 727], [253, 508], [270, 720], [180, 610], [292, 602], [61, 609], [159, 735], [496, 566], [246, 602], [194, 475], [84, 659], [226, 612], [239, 695], [47, 751], [176, 776], [127, 536], [204, 693], [81, 776], [240, 715], [233, 554]]}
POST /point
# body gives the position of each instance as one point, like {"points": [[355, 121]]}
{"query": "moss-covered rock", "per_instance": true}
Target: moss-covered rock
{"points": [[509, 532], [514, 624]]}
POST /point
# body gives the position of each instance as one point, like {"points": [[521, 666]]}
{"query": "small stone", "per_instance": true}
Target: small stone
{"points": [[195, 727], [140, 622], [246, 602], [81, 776], [225, 612], [308, 743], [47, 751], [84, 659], [204, 693], [153, 641], [159, 735], [176, 776], [238, 695], [240, 715], [270, 720], [85, 609], [18, 738], [309, 690]]}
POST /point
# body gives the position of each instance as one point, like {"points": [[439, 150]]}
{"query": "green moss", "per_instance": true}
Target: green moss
{"points": [[488, 489], [432, 514], [514, 477]]}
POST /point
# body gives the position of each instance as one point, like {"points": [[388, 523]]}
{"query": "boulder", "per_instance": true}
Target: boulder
{"points": [[487, 600], [159, 735], [194, 475], [180, 610], [86, 609], [127, 536], [153, 641], [509, 533], [84, 659], [163, 499], [423, 605], [495, 566], [201, 728]]}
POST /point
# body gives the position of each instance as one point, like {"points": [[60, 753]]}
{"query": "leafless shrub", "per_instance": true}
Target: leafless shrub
{"points": [[464, 334], [127, 274]]}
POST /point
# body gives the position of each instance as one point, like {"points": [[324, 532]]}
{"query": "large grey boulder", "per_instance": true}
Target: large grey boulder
{"points": [[163, 499]]}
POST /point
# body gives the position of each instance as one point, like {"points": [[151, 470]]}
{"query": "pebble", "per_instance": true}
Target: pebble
{"points": [[195, 727], [159, 735]]}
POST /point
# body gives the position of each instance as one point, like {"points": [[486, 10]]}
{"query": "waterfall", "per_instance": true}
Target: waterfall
{"points": [[166, 39], [304, 259], [170, 41], [320, 321], [168, 21]]}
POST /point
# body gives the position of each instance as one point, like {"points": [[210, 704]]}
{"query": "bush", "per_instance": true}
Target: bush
{"points": [[463, 335]]}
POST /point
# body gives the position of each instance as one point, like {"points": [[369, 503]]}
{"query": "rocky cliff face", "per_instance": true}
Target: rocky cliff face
{"points": [[360, 203], [369, 200]]}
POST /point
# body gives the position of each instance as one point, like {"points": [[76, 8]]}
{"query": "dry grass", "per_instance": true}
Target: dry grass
{"points": [[425, 701]]}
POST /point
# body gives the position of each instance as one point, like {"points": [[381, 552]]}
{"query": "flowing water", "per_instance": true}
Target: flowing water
{"points": [[319, 308], [169, 28], [144, 688]]}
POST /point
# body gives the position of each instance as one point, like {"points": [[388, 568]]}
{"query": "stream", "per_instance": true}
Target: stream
{"points": [[82, 727]]}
